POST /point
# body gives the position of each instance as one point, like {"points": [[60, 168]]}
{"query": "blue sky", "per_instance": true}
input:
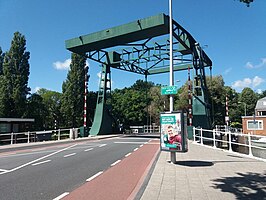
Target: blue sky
{"points": [[234, 36]]}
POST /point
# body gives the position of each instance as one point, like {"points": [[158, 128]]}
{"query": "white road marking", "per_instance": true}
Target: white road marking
{"points": [[68, 155], [146, 143], [36, 160], [128, 155], [3, 170], [89, 149], [102, 145], [136, 149], [39, 163], [118, 161], [61, 196], [94, 176], [141, 145]]}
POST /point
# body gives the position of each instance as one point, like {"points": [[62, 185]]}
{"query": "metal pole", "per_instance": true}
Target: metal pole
{"points": [[171, 54]]}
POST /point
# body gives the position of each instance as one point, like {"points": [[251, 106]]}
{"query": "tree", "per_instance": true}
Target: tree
{"points": [[1, 61], [249, 97], [247, 2], [129, 105], [52, 102], [158, 103], [217, 95], [14, 80], [73, 91], [37, 110]]}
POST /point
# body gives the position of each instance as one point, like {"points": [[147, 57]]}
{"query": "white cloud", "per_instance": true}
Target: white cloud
{"points": [[228, 70], [36, 89], [249, 65], [242, 83], [259, 91], [248, 82], [65, 65], [257, 81], [62, 65]]}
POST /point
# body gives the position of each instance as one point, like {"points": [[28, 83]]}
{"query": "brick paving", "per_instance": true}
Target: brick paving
{"points": [[206, 173]]}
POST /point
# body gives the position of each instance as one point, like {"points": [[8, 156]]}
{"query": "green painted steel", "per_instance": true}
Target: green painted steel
{"points": [[135, 31], [131, 47], [102, 122]]}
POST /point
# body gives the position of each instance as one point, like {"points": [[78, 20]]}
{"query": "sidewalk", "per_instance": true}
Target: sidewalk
{"points": [[206, 173]]}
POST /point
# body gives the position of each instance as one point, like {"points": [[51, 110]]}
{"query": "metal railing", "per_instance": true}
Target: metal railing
{"points": [[249, 144], [151, 129], [38, 136]]}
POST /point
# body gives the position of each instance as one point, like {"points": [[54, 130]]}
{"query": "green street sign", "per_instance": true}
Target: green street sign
{"points": [[167, 90]]}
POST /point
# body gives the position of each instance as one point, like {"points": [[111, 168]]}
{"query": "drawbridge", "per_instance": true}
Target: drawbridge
{"points": [[143, 47]]}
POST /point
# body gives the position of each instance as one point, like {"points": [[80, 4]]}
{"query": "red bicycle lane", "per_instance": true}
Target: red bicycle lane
{"points": [[123, 180]]}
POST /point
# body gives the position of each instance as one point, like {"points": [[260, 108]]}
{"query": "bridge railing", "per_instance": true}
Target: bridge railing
{"points": [[238, 142], [38, 136]]}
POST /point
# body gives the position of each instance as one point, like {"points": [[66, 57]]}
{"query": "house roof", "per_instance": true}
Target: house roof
{"points": [[261, 104]]}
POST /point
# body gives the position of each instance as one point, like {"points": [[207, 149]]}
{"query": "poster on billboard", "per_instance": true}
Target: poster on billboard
{"points": [[173, 132]]}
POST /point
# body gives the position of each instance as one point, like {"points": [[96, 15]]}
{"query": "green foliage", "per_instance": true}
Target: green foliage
{"points": [[249, 97], [14, 79], [73, 92], [37, 110], [130, 104], [247, 2], [1, 61], [52, 102]]}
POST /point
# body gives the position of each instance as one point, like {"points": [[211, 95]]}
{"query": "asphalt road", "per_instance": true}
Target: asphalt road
{"points": [[48, 172]]}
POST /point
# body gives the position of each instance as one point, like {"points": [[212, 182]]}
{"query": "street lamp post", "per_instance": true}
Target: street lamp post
{"points": [[171, 54]]}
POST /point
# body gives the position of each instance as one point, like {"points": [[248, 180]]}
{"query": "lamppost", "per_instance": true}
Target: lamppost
{"points": [[245, 106], [171, 54]]}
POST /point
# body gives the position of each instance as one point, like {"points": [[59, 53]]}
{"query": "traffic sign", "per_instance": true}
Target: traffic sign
{"points": [[167, 90]]}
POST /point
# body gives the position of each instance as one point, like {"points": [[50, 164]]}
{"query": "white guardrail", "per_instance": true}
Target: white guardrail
{"points": [[38, 136], [249, 144]]}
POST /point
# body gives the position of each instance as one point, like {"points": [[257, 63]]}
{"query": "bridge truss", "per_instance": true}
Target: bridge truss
{"points": [[143, 47]]}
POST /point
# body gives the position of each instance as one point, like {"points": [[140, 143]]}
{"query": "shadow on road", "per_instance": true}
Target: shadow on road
{"points": [[243, 185]]}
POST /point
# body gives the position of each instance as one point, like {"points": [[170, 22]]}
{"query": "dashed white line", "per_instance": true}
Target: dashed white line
{"points": [[39, 163], [31, 162], [94, 176], [141, 145], [89, 149], [136, 149], [128, 155], [61, 196], [102, 145], [118, 161], [68, 155]]}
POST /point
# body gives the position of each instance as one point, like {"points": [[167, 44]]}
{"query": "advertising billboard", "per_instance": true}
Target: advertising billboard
{"points": [[173, 136]]}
